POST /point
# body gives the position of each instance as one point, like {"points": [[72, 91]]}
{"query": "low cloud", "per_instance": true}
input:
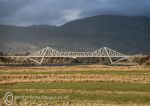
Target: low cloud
{"points": [[58, 12]]}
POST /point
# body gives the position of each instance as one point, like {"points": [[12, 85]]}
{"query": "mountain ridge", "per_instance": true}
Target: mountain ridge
{"points": [[130, 35]]}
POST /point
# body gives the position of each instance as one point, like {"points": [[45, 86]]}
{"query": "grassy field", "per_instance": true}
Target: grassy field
{"points": [[89, 85]]}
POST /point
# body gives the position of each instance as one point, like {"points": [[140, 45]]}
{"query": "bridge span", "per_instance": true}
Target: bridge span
{"points": [[50, 52]]}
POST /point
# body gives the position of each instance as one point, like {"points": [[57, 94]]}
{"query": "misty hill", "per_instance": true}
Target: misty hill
{"points": [[125, 34]]}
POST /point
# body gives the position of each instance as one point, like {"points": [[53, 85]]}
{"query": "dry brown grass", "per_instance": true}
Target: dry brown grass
{"points": [[6, 77], [14, 78], [74, 68], [99, 103], [11, 78]]}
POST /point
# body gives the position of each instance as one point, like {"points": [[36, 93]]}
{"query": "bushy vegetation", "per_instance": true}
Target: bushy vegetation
{"points": [[54, 60], [144, 60]]}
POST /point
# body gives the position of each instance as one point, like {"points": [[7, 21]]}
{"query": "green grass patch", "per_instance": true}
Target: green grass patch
{"points": [[110, 86], [117, 98], [99, 72]]}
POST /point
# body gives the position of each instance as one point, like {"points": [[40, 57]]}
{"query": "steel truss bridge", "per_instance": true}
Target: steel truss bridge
{"points": [[49, 52]]}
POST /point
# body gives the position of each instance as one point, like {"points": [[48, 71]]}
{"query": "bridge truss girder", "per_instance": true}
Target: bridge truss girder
{"points": [[103, 52]]}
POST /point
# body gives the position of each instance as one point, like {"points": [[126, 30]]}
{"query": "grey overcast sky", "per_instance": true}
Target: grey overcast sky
{"points": [[58, 12]]}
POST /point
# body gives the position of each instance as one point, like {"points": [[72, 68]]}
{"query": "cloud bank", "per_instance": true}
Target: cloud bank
{"points": [[58, 12]]}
